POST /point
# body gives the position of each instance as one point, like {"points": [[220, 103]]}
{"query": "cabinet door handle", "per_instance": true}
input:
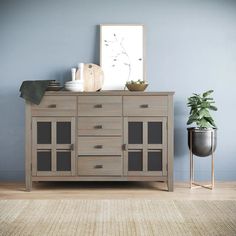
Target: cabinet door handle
{"points": [[124, 147], [98, 146], [52, 106], [98, 166], [98, 127], [72, 146], [98, 106], [144, 106]]}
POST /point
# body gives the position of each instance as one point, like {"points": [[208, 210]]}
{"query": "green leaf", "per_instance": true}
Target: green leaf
{"points": [[211, 121], [193, 110], [205, 105], [207, 93], [203, 123], [190, 121], [213, 108], [194, 115], [204, 113], [207, 99], [196, 95]]}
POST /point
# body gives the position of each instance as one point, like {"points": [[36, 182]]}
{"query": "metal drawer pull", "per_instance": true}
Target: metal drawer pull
{"points": [[144, 106], [98, 127], [98, 106], [52, 106], [98, 166], [98, 146]]}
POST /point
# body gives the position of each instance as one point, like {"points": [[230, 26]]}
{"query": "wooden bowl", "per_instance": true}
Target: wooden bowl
{"points": [[136, 87]]}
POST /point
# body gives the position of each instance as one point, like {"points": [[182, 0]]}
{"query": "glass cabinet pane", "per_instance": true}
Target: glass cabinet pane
{"points": [[154, 132], [44, 133], [135, 132], [63, 161], [135, 160], [44, 161], [63, 132], [155, 160]]}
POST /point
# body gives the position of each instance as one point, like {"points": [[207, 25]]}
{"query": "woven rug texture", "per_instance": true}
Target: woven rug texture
{"points": [[117, 217]]}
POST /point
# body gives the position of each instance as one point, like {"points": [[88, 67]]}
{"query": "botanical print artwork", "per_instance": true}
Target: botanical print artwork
{"points": [[121, 55]]}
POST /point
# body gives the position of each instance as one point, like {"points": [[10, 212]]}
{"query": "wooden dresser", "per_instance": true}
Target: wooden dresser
{"points": [[100, 136]]}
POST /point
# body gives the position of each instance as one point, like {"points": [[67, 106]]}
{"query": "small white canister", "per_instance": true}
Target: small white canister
{"points": [[73, 73], [81, 71]]}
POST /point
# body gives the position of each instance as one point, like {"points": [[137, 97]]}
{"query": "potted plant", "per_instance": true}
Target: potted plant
{"points": [[204, 135], [139, 85]]}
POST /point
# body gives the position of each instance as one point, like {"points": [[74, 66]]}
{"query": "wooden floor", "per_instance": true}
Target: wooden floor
{"points": [[116, 190]]}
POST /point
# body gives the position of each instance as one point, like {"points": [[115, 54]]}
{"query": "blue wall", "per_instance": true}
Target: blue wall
{"points": [[191, 47]]}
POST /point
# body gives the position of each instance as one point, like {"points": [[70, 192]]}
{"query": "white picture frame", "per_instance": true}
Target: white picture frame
{"points": [[122, 54]]}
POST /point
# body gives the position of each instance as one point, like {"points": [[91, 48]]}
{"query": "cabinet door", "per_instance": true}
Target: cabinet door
{"points": [[145, 146], [53, 146]]}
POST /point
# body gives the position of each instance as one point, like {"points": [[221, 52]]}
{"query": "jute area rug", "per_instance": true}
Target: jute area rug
{"points": [[117, 217]]}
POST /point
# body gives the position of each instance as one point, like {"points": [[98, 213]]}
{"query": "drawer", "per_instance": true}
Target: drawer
{"points": [[100, 126], [55, 106], [99, 146], [95, 165], [145, 105], [99, 106]]}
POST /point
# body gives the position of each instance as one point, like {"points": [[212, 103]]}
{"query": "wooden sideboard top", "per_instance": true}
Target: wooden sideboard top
{"points": [[109, 93]]}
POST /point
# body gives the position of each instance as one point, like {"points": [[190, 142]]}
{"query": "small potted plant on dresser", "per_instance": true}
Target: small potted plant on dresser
{"points": [[139, 85], [205, 134]]}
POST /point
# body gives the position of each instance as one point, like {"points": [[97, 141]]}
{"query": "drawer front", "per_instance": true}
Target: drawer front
{"points": [[99, 106], [55, 106], [145, 105], [99, 146], [94, 165], [100, 126]]}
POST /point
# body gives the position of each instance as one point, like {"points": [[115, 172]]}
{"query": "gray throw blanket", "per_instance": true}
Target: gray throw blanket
{"points": [[33, 91]]}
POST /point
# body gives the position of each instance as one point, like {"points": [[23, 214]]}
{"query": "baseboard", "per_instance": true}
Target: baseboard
{"points": [[19, 175]]}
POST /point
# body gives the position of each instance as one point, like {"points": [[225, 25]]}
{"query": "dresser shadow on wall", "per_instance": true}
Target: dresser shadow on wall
{"points": [[11, 135]]}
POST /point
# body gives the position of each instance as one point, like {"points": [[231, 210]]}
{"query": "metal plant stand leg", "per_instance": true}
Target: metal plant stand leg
{"points": [[191, 161], [193, 184], [212, 162]]}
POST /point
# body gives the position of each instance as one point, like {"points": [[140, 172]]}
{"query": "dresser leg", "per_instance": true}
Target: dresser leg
{"points": [[28, 184], [170, 185]]}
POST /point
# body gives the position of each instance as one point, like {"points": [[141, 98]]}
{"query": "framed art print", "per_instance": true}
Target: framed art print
{"points": [[121, 54]]}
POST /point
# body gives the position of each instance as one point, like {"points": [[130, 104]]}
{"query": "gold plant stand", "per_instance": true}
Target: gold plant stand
{"points": [[193, 184]]}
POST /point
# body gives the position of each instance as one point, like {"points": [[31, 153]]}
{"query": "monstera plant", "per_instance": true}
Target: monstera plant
{"points": [[202, 138]]}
